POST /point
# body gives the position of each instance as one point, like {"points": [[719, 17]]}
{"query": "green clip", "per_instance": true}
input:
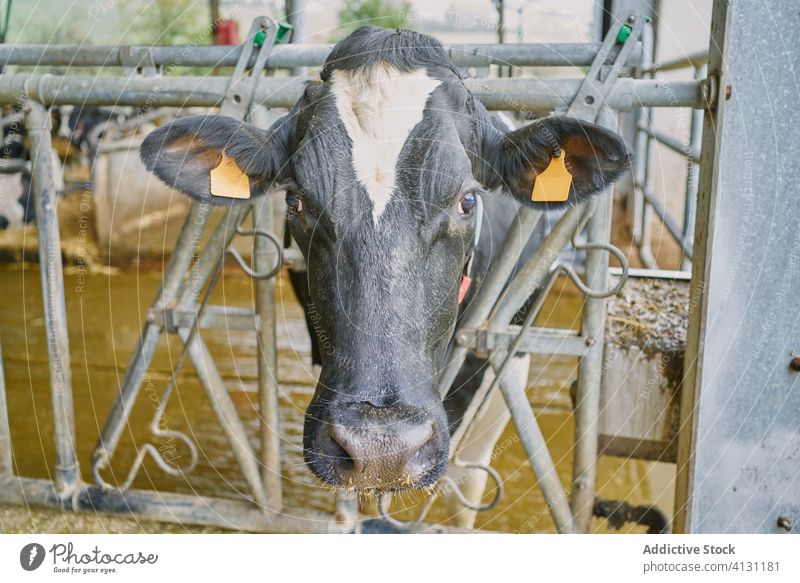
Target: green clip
{"points": [[284, 29], [259, 38], [624, 33]]}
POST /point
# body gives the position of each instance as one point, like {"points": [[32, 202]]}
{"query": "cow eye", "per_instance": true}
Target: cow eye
{"points": [[294, 202], [467, 203]]}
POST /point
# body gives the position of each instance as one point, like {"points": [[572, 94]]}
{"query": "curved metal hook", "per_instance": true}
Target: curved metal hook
{"points": [[246, 268], [586, 289], [149, 448], [385, 499], [460, 495], [612, 249], [383, 508]]}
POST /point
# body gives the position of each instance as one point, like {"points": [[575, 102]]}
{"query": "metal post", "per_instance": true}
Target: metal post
{"points": [[296, 15], [644, 177], [693, 171], [37, 122], [6, 454], [264, 257], [587, 403]]}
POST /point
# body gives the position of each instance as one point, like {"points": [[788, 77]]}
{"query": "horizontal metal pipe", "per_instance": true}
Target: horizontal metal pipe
{"points": [[692, 154], [509, 94], [696, 60], [187, 509], [285, 56], [673, 228]]}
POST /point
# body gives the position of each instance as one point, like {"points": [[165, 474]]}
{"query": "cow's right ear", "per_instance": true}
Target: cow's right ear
{"points": [[184, 152]]}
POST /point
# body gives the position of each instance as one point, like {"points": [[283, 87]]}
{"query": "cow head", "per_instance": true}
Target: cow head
{"points": [[383, 160]]}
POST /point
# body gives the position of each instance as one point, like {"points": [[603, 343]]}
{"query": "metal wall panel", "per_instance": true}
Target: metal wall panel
{"points": [[739, 460]]}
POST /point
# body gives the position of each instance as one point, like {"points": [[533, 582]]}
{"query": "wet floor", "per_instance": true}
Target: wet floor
{"points": [[105, 312]]}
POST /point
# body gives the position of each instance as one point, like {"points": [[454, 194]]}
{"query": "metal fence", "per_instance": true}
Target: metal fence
{"points": [[486, 326], [643, 203]]}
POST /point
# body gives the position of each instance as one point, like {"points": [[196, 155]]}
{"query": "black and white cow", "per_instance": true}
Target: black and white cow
{"points": [[383, 160]]}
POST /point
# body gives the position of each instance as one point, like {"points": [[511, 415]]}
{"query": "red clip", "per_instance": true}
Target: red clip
{"points": [[464, 287], [466, 280]]}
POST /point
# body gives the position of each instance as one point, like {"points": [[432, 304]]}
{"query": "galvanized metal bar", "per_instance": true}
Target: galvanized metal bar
{"points": [[517, 236], [210, 257], [692, 173], [596, 85], [692, 154], [587, 401], [265, 256], [6, 453], [37, 123], [535, 446], [288, 56], [640, 156], [540, 340], [644, 183], [171, 507], [694, 61], [193, 509], [239, 95], [225, 411], [178, 265], [669, 222], [219, 317], [533, 273], [513, 94]]}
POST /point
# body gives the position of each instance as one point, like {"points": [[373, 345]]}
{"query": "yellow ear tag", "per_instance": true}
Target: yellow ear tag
{"points": [[552, 185], [228, 180]]}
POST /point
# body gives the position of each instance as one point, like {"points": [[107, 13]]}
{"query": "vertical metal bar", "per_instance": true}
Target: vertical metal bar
{"points": [[37, 121], [264, 257], [296, 15], [643, 158], [647, 185], [6, 454], [178, 265], [693, 171], [587, 405]]}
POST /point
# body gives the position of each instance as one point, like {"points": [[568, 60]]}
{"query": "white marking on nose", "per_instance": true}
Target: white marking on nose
{"points": [[379, 107]]}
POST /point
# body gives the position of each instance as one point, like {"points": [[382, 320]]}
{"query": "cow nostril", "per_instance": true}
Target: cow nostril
{"points": [[382, 455], [350, 454]]}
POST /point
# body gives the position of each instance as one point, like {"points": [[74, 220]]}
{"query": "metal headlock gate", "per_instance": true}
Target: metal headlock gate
{"points": [[180, 307]]}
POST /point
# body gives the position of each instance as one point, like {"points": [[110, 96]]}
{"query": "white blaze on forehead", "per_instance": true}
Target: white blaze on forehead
{"points": [[379, 107]]}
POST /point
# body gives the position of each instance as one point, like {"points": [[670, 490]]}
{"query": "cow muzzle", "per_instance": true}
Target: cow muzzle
{"points": [[364, 447]]}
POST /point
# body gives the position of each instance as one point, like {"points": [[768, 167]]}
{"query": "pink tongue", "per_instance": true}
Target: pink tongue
{"points": [[464, 287]]}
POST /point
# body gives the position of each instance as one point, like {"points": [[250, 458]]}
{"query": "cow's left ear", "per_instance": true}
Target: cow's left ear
{"points": [[595, 157]]}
